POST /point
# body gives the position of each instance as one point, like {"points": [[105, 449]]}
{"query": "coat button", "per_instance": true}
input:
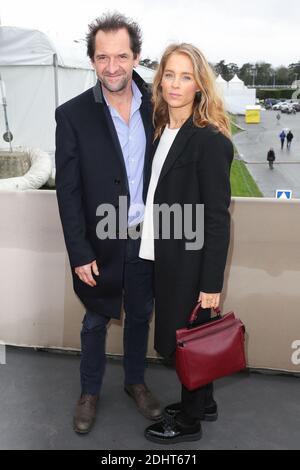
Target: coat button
{"points": [[117, 181]]}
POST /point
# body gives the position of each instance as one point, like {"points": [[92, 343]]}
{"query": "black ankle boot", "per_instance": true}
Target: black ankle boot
{"points": [[174, 429]]}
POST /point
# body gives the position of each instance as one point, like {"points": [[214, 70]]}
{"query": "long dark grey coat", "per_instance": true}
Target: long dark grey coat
{"points": [[196, 170], [90, 171]]}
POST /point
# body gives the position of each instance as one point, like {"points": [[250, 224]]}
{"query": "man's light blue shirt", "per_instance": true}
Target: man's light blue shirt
{"points": [[132, 140]]}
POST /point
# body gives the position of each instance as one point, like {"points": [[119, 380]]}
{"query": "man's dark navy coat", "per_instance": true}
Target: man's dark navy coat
{"points": [[90, 171]]}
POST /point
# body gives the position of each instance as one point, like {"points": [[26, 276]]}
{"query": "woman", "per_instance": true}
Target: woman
{"points": [[191, 166]]}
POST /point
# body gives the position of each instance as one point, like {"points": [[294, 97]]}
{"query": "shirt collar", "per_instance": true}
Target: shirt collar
{"points": [[136, 100]]}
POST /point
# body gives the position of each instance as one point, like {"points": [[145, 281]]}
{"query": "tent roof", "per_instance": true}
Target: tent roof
{"points": [[19, 46], [220, 79], [236, 79]]}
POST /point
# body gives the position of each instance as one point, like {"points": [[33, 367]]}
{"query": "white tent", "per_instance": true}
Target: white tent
{"points": [[39, 73], [236, 95], [220, 81], [236, 82], [222, 86]]}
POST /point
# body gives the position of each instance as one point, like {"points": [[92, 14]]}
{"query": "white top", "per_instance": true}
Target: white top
{"points": [[147, 241]]}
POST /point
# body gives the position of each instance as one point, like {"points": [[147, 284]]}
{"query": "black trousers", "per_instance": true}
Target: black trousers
{"points": [[193, 403], [138, 306]]}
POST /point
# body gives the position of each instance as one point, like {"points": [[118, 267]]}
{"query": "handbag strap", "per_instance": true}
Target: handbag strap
{"points": [[195, 312]]}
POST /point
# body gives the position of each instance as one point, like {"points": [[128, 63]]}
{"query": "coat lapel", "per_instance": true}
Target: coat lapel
{"points": [[97, 92], [115, 140], [181, 139], [146, 114]]}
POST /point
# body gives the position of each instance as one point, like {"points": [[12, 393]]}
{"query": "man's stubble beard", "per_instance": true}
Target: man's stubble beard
{"points": [[115, 88]]}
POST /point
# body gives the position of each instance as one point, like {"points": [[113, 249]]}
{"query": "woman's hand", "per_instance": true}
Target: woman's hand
{"points": [[209, 300]]}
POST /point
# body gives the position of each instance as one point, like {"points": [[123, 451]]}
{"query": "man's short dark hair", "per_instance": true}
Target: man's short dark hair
{"points": [[114, 22]]}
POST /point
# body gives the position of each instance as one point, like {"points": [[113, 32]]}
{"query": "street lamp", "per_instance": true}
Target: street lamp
{"points": [[253, 73], [7, 136], [273, 75]]}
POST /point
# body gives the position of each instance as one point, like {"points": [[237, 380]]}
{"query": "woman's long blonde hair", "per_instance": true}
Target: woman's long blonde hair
{"points": [[209, 109]]}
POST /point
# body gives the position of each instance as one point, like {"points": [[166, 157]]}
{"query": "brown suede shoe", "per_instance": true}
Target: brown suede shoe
{"points": [[147, 404], [85, 413]]}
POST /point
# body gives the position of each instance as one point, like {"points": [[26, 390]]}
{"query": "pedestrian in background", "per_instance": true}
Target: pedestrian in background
{"points": [[289, 139], [271, 158], [278, 117], [282, 137]]}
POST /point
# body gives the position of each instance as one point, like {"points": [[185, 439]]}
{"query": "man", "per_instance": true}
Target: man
{"points": [[103, 143], [271, 158], [289, 139]]}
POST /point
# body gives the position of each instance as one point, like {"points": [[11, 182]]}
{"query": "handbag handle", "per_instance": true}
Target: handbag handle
{"points": [[195, 312]]}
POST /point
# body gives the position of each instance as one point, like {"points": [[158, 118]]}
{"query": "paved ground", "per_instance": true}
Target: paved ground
{"points": [[38, 391], [254, 144]]}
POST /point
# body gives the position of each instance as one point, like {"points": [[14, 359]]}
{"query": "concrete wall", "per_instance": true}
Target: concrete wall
{"points": [[262, 279]]}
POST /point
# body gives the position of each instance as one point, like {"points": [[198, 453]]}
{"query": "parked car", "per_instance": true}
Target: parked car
{"points": [[269, 102], [288, 109], [277, 106], [296, 106]]}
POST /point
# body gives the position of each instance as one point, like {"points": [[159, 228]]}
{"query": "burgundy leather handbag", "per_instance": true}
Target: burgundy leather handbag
{"points": [[210, 351]]}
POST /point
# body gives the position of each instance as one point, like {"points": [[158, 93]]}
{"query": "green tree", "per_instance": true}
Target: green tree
{"points": [[245, 73], [232, 70], [264, 73], [282, 76], [294, 72], [145, 62], [154, 65], [222, 69]]}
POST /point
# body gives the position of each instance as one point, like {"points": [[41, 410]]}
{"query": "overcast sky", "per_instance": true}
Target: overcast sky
{"points": [[233, 30]]}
